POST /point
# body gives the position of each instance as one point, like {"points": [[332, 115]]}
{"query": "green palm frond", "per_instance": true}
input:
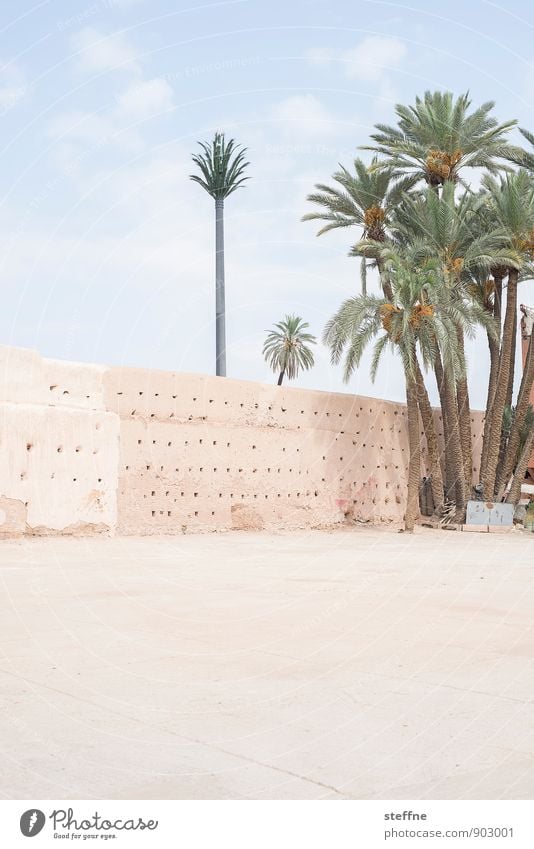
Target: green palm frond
{"points": [[378, 350], [438, 122], [355, 194], [509, 200], [286, 348], [222, 166]]}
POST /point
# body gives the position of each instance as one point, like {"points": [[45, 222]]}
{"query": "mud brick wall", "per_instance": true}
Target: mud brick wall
{"points": [[91, 449]]}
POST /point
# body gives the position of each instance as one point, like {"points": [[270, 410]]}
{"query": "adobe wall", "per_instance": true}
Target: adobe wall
{"points": [[90, 449], [59, 447], [199, 452]]}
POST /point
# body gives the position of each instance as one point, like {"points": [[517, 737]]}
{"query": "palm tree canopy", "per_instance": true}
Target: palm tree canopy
{"points": [[438, 136], [421, 312], [521, 157], [455, 231], [510, 201], [222, 166], [362, 198], [286, 346]]}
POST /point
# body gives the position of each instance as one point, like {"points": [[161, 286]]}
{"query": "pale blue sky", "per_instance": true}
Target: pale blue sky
{"points": [[107, 247]]}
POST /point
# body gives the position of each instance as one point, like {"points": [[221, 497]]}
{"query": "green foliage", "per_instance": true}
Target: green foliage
{"points": [[435, 224], [510, 200], [222, 166], [346, 204], [420, 314], [439, 136], [442, 251], [286, 349]]}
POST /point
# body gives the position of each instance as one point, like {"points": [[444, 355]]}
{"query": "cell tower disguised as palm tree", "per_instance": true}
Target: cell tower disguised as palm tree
{"points": [[286, 348], [222, 167]]}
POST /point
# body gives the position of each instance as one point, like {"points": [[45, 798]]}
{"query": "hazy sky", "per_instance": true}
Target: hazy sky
{"points": [[107, 247]]}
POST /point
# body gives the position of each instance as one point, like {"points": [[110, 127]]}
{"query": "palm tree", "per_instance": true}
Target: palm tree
{"points": [[525, 453], [512, 201], [438, 137], [286, 348], [487, 293], [362, 199], [521, 414], [222, 167], [432, 225], [416, 316]]}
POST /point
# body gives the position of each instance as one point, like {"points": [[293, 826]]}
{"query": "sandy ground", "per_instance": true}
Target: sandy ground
{"points": [[353, 664]]}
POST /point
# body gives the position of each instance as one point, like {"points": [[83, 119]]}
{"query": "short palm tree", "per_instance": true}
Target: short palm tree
{"points": [[222, 166], [361, 199], [286, 348], [437, 137]]}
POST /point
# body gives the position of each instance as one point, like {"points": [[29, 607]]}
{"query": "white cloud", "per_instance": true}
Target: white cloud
{"points": [[304, 114], [98, 53], [80, 134], [12, 86], [370, 60], [82, 126], [148, 98]]}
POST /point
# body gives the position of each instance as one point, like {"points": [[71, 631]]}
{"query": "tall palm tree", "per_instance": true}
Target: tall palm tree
{"points": [[438, 137], [440, 226], [525, 453], [512, 201], [361, 199], [487, 293], [517, 426], [286, 348], [416, 316], [222, 166]]}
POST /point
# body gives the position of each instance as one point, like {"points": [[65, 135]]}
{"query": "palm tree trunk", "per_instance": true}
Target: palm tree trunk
{"points": [[456, 454], [508, 404], [519, 476], [497, 300], [281, 377], [494, 349], [363, 275], [384, 282], [220, 311], [493, 345], [429, 426], [521, 410], [448, 459], [507, 351], [511, 370], [414, 464], [454, 462], [464, 419]]}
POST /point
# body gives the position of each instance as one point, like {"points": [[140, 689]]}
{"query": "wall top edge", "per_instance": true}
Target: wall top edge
{"points": [[137, 371]]}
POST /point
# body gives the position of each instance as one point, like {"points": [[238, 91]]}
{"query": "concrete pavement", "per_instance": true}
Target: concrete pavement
{"points": [[347, 664]]}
